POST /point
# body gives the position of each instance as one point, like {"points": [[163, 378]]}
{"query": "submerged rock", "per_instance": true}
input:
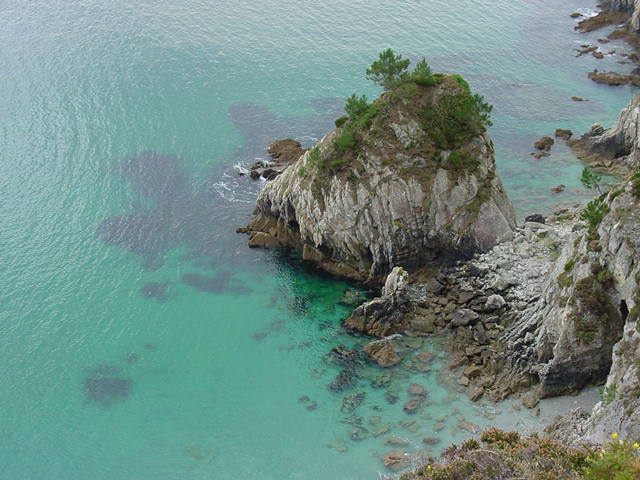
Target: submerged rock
{"points": [[383, 353]]}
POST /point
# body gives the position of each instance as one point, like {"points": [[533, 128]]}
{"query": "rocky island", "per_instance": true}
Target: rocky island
{"points": [[405, 193], [402, 181]]}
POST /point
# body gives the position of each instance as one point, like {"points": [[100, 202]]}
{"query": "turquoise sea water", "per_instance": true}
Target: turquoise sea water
{"points": [[139, 337]]}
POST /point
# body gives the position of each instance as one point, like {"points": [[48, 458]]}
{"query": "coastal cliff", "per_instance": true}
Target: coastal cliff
{"points": [[398, 187], [615, 150], [568, 336]]}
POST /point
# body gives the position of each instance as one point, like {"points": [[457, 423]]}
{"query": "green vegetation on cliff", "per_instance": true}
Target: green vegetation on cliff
{"points": [[446, 116], [508, 455]]}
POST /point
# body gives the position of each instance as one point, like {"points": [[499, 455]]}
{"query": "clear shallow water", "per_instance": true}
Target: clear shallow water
{"points": [[201, 377]]}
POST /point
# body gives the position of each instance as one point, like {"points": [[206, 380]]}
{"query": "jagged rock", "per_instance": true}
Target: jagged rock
{"points": [[615, 150], [473, 371], [383, 353], [563, 133], [384, 315], [545, 143], [559, 188], [388, 203], [536, 217], [476, 394], [283, 152], [344, 357], [566, 338], [613, 78], [352, 401]]}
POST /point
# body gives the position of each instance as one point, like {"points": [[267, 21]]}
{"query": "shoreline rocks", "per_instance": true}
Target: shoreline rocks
{"points": [[615, 150]]}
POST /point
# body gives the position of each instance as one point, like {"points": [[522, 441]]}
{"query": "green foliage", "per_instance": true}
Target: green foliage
{"points": [[315, 157], [341, 121], [347, 140], [594, 212], [608, 394], [570, 264], [388, 69], [591, 180], [422, 75], [618, 461], [456, 118], [356, 106], [460, 161], [635, 185]]}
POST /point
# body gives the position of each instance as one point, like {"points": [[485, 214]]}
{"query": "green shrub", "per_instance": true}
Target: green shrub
{"points": [[388, 70], [315, 157], [617, 461], [570, 264], [347, 140], [456, 118], [356, 106], [422, 75], [341, 121], [594, 212], [591, 180]]}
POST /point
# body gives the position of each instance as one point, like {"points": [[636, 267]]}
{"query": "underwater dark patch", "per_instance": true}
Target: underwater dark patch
{"points": [[156, 290], [106, 387], [174, 210], [223, 282]]}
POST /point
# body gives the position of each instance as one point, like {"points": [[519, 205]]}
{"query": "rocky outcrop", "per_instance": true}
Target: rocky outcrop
{"points": [[385, 195], [384, 315], [615, 150], [568, 336], [282, 152]]}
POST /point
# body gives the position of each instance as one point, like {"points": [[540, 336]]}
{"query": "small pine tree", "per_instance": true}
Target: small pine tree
{"points": [[356, 106], [591, 180], [388, 69]]}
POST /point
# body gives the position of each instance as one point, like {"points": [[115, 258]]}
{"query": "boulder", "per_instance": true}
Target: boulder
{"points": [[563, 133], [536, 217], [545, 143], [464, 317], [495, 302]]}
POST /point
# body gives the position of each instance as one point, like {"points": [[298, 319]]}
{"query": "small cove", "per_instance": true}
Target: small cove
{"points": [[141, 338]]}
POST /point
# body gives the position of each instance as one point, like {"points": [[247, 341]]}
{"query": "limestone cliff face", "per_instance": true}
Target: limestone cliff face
{"points": [[393, 199], [568, 336], [614, 150]]}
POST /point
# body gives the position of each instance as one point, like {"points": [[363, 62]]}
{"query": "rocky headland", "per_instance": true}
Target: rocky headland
{"points": [[385, 192], [404, 194]]}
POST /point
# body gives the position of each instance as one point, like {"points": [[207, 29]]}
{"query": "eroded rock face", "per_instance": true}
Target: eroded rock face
{"points": [[568, 336], [614, 150], [394, 200], [384, 315]]}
